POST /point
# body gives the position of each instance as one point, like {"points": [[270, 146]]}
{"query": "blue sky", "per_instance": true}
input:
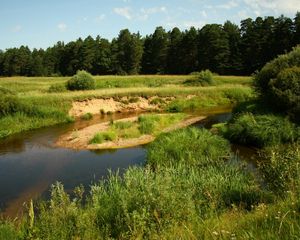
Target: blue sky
{"points": [[38, 23]]}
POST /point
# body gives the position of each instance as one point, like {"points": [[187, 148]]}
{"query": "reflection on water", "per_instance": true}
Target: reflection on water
{"points": [[29, 163]]}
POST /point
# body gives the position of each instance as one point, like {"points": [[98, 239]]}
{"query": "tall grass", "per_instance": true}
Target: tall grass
{"points": [[261, 130], [148, 204]]}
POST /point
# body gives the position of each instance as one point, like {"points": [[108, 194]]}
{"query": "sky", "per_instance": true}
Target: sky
{"points": [[40, 24]]}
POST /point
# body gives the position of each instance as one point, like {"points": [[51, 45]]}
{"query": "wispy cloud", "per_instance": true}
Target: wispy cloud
{"points": [[124, 12], [276, 6], [62, 27], [146, 12], [100, 18], [16, 28], [228, 5]]}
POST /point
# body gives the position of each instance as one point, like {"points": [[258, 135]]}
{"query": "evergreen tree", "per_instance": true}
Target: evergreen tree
{"points": [[213, 48], [155, 52], [174, 52]]}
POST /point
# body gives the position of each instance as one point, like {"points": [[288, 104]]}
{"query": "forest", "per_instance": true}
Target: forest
{"points": [[226, 49]]}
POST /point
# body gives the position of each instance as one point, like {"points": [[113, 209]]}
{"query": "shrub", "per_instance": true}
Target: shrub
{"points": [[81, 81], [286, 91], [279, 83], [56, 88], [203, 78]]}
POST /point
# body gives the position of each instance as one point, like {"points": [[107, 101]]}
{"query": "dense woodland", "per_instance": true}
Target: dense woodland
{"points": [[224, 49]]}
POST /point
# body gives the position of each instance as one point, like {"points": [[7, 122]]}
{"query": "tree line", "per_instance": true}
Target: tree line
{"points": [[224, 49]]}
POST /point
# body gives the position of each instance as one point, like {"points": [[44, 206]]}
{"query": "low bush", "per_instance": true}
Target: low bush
{"points": [[203, 78], [57, 88], [81, 81]]}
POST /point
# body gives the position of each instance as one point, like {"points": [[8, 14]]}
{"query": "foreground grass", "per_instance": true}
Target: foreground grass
{"points": [[150, 124], [195, 190]]}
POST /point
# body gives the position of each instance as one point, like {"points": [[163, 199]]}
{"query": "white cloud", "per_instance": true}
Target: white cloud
{"points": [[277, 6], [100, 18], [62, 27], [16, 28], [124, 12], [228, 5], [145, 13]]}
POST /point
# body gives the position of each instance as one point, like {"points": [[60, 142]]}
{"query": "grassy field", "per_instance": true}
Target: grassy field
{"points": [[191, 187], [35, 107]]}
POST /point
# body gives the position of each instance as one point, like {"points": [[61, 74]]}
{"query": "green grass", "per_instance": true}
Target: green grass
{"points": [[53, 107], [146, 124], [260, 130], [103, 137]]}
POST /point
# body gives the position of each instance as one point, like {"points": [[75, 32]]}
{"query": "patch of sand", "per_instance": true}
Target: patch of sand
{"points": [[124, 104], [80, 139]]}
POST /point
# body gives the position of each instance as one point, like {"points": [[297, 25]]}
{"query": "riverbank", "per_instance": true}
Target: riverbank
{"points": [[81, 139]]}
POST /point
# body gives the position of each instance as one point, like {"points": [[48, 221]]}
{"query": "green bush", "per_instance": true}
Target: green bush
{"points": [[286, 91], [56, 88], [203, 78], [278, 82], [81, 81], [261, 130]]}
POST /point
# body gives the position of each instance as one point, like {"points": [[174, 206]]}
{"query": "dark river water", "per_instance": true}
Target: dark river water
{"points": [[29, 163]]}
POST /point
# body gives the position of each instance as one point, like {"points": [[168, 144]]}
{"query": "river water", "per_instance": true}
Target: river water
{"points": [[29, 163]]}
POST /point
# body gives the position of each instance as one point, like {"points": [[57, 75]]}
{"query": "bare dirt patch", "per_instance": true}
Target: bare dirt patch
{"points": [[112, 105], [80, 139]]}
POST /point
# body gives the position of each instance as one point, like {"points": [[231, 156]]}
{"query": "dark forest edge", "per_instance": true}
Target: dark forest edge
{"points": [[224, 49]]}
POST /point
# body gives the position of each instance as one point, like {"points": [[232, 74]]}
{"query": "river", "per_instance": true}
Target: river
{"points": [[29, 163]]}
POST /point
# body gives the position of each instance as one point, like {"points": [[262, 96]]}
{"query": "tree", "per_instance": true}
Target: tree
{"points": [[213, 48], [234, 64], [155, 52], [189, 51], [127, 50], [174, 52], [102, 61]]}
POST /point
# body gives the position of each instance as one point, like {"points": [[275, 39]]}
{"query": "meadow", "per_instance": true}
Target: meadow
{"points": [[34, 106], [199, 189]]}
